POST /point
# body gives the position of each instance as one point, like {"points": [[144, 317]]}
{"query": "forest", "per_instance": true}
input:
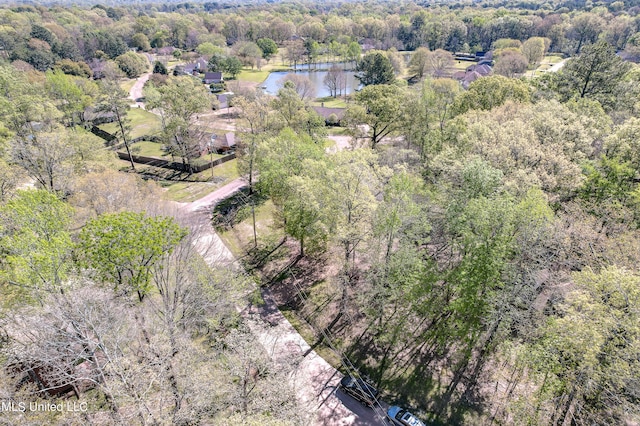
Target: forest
{"points": [[461, 230]]}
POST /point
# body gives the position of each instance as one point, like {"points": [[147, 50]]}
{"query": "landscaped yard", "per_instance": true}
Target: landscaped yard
{"points": [[142, 123]]}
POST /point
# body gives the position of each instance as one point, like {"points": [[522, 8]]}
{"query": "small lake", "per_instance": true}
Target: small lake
{"points": [[273, 83], [324, 66]]}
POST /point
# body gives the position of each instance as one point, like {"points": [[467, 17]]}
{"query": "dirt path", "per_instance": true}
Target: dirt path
{"points": [[136, 90], [557, 67], [315, 381]]}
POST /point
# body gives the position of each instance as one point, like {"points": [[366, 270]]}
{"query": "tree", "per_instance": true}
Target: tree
{"points": [[141, 42], [295, 51], [114, 101], [335, 81], [269, 47], [286, 163], [80, 69], [46, 157], [489, 92], [534, 49], [375, 68], [419, 61], [249, 53], [303, 86], [585, 356], [132, 64], [159, 68], [439, 62], [123, 248], [595, 73], [179, 102], [209, 49], [72, 95], [35, 241], [510, 63], [232, 66], [354, 51], [379, 107]]}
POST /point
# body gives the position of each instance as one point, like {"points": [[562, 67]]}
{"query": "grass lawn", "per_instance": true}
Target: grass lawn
{"points": [[337, 131], [241, 235], [253, 75], [330, 102], [142, 123], [200, 184], [149, 149], [127, 84]]}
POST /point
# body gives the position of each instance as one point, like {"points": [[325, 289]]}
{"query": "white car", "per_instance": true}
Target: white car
{"points": [[402, 417]]}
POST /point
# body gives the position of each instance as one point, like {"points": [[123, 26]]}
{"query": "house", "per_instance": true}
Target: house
{"points": [[483, 69], [212, 78], [326, 113], [223, 100], [194, 68], [226, 142]]}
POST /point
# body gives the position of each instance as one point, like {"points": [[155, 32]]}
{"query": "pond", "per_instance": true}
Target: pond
{"points": [[273, 83]]}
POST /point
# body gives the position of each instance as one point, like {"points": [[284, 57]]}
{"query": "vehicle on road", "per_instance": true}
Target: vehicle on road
{"points": [[400, 416], [360, 390]]}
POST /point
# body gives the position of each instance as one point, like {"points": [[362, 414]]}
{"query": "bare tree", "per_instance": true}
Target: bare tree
{"points": [[335, 81], [303, 85]]}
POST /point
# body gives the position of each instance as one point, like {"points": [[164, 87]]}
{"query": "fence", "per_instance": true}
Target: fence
{"points": [[166, 164], [152, 161]]}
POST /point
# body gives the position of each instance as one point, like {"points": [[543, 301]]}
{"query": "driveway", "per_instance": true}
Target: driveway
{"points": [[315, 380], [135, 92]]}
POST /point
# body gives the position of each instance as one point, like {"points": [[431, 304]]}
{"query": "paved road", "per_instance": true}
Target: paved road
{"points": [[315, 381]]}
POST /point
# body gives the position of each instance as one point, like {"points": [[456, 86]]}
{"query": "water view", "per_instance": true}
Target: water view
{"points": [[273, 83]]}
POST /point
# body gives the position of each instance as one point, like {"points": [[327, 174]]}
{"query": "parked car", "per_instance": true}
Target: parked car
{"points": [[360, 390], [402, 417]]}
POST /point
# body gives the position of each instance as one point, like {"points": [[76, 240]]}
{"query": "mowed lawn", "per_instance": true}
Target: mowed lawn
{"points": [[142, 123]]}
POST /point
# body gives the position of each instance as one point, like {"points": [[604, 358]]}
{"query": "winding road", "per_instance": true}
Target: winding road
{"points": [[314, 380]]}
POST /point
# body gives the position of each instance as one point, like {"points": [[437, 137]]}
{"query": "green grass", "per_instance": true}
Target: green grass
{"points": [[330, 102], [253, 75], [148, 149], [241, 235], [127, 84], [142, 123], [200, 184]]}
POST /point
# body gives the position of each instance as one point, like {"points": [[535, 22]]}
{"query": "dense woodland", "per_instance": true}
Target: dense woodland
{"points": [[474, 252]]}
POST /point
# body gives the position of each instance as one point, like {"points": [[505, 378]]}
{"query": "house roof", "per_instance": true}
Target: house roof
{"points": [[326, 112], [228, 140], [213, 75]]}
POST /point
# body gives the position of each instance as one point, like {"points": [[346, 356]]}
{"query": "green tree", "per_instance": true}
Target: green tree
{"points": [[72, 95], [375, 68], [35, 241], [232, 66], [595, 73], [290, 167], [208, 48], [179, 102], [141, 42], [379, 107], [492, 91], [123, 248], [586, 356], [114, 100], [534, 49], [160, 68], [268, 46], [132, 64]]}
